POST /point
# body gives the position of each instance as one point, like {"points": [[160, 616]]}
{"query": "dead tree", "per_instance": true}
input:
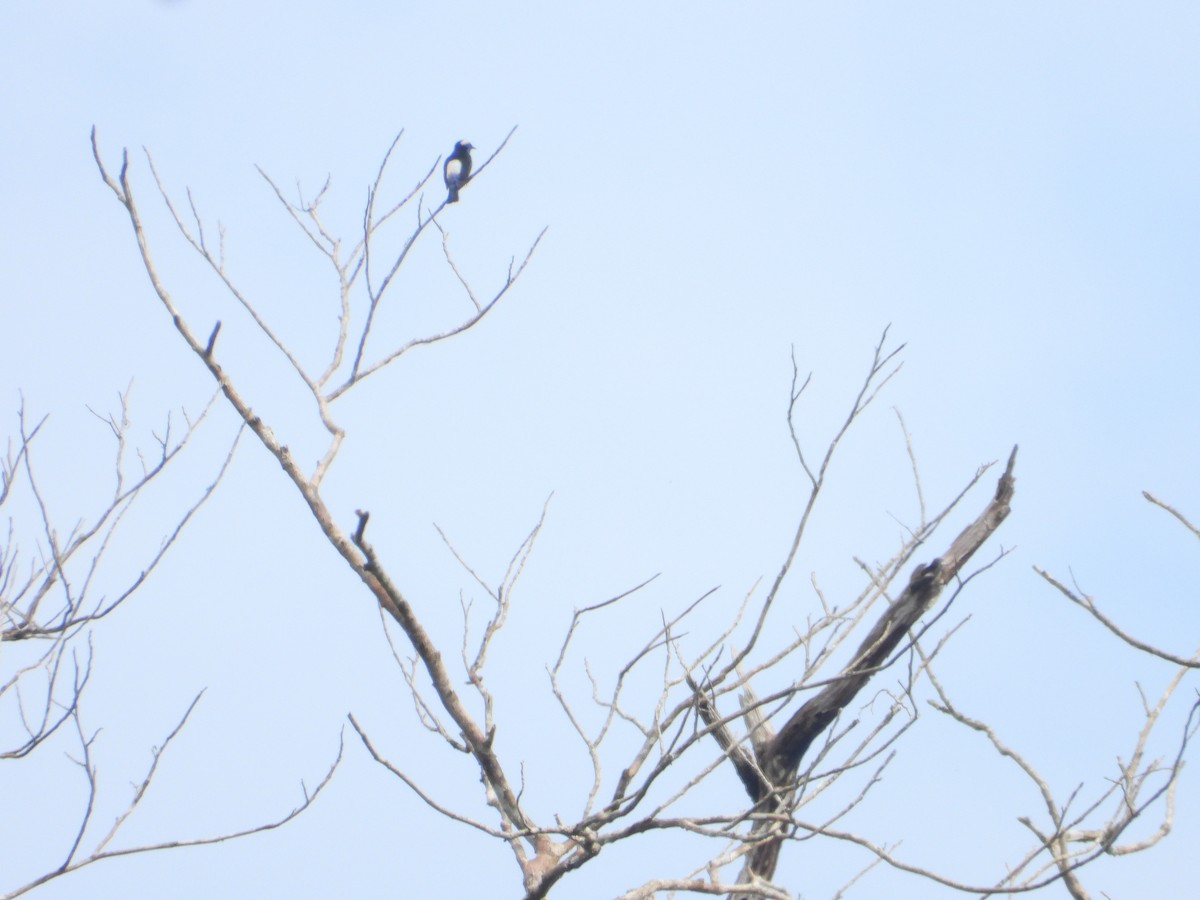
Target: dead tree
{"points": [[784, 756]]}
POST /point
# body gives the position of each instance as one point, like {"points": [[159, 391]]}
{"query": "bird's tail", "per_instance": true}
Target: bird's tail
{"points": [[453, 198]]}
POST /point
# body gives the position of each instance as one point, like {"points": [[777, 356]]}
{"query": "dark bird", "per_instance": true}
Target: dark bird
{"points": [[457, 170]]}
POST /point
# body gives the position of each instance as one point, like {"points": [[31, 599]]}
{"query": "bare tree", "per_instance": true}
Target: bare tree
{"points": [[52, 597], [788, 745]]}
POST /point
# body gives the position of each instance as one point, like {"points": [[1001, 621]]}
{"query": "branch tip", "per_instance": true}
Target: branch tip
{"points": [[363, 516], [212, 340]]}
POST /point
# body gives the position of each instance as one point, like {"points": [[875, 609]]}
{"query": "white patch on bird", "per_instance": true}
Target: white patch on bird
{"points": [[453, 170]]}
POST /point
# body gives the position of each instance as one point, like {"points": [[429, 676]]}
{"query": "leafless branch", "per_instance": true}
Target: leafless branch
{"points": [[100, 854], [1085, 602]]}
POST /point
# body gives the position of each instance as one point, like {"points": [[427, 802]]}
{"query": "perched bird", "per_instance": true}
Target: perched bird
{"points": [[457, 170]]}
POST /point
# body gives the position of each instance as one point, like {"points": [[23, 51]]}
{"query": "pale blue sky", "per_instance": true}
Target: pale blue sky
{"points": [[1012, 186]]}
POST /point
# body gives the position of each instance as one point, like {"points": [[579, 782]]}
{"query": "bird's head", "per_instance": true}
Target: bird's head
{"points": [[464, 145]]}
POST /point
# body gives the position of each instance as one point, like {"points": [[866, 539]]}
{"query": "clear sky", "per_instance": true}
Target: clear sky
{"points": [[1013, 187]]}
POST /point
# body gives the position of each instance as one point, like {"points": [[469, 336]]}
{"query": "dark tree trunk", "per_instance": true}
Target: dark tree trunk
{"points": [[770, 777]]}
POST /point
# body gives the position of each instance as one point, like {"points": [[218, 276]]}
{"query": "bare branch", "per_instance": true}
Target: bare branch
{"points": [[1085, 602], [100, 855], [1173, 511], [363, 371]]}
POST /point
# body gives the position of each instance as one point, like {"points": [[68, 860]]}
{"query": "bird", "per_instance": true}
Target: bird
{"points": [[457, 170]]}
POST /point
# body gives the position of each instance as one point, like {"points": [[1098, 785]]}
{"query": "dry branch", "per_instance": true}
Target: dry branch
{"points": [[355, 550], [770, 780]]}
